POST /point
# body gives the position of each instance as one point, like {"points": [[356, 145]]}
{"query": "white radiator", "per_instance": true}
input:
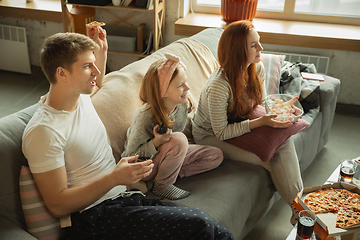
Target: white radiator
{"points": [[14, 55], [321, 63]]}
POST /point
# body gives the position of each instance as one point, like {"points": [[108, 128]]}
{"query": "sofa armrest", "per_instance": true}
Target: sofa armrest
{"points": [[10, 231], [329, 91]]}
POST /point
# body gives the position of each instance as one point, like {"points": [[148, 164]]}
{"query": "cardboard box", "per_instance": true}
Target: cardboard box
{"points": [[325, 224], [121, 39]]}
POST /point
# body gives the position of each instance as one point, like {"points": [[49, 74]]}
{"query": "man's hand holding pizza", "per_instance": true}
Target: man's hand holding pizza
{"points": [[98, 35]]}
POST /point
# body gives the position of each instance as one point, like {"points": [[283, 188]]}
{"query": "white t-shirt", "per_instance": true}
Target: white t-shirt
{"points": [[77, 139]]}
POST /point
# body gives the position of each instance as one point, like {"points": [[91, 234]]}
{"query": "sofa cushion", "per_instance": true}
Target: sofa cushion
{"points": [[39, 221], [264, 141], [10, 231], [272, 64], [11, 160]]}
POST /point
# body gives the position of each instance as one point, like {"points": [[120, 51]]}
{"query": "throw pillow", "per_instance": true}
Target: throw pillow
{"points": [[272, 64], [264, 141], [39, 221]]}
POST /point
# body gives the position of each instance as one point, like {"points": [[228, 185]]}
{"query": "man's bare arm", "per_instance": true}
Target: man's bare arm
{"points": [[98, 34], [62, 200]]}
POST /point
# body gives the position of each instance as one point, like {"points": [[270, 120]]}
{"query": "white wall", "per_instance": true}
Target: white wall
{"points": [[36, 32], [343, 65]]}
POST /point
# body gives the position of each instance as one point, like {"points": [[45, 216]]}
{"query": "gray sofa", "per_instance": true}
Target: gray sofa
{"points": [[236, 194]]}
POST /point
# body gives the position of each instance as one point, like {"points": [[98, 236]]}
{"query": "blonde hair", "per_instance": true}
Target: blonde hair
{"points": [[150, 94]]}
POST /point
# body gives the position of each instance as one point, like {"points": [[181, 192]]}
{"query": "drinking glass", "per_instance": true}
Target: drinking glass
{"points": [[306, 223], [347, 170]]}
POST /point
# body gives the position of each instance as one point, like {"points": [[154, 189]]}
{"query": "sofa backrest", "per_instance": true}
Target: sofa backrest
{"points": [[209, 37], [118, 98], [11, 160]]}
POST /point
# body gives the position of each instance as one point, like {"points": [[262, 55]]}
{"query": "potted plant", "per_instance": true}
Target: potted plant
{"points": [[234, 10]]}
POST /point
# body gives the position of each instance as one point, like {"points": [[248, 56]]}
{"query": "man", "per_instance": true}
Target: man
{"points": [[72, 163]]}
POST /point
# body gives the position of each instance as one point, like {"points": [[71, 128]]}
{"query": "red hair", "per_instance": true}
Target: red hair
{"points": [[233, 59], [150, 94]]}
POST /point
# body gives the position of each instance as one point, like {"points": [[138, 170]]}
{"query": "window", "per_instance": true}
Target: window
{"points": [[332, 11]]}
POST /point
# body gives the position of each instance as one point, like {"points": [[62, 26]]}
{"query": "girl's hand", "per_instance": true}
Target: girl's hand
{"points": [[291, 101], [270, 121], [160, 139], [294, 110]]}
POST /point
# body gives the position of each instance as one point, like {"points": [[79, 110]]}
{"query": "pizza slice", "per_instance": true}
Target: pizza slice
{"points": [[95, 24], [341, 219], [315, 205], [347, 219], [320, 201]]}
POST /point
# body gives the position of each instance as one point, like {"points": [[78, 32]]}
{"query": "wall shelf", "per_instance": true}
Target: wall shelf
{"points": [[158, 20]]}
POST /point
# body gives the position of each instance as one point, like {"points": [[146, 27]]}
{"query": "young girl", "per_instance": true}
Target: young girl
{"points": [[164, 93], [228, 99]]}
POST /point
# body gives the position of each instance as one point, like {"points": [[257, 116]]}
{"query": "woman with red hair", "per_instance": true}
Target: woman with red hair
{"points": [[227, 103]]}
